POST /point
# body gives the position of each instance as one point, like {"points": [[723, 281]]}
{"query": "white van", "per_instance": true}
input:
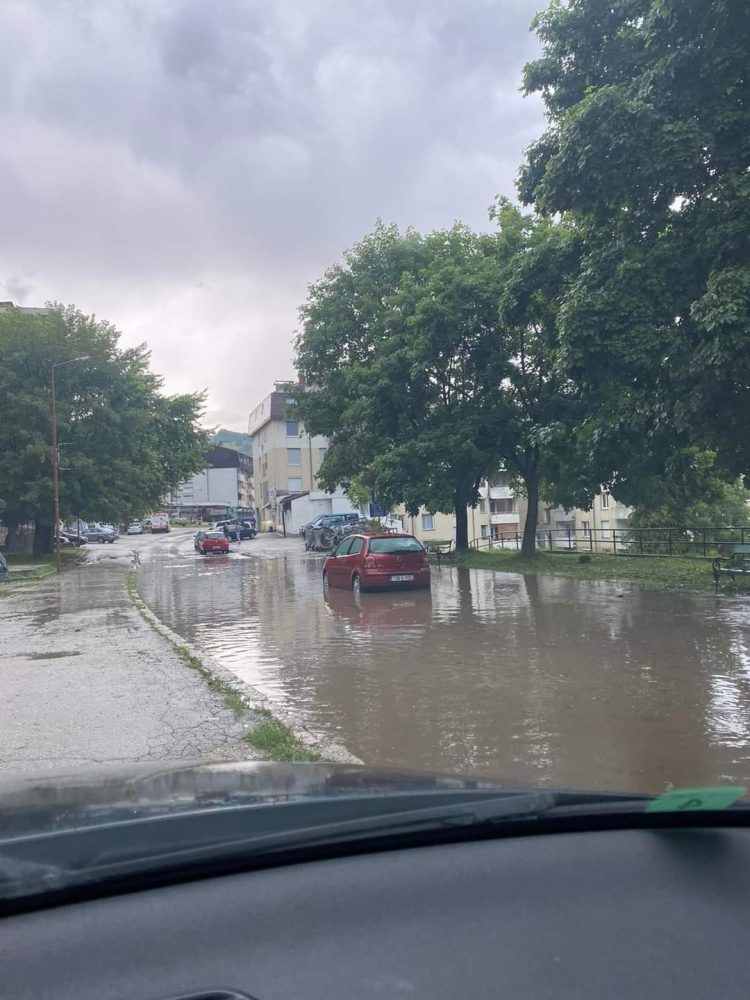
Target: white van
{"points": [[159, 522]]}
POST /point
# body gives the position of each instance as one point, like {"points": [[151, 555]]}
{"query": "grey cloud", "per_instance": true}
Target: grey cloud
{"points": [[187, 168]]}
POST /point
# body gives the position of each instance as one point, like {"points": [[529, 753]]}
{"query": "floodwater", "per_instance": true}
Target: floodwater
{"points": [[531, 679]]}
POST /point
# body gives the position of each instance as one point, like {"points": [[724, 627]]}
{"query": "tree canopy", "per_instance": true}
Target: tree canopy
{"points": [[647, 151], [432, 360], [122, 443]]}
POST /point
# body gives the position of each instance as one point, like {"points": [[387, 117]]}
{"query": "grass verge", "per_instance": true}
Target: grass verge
{"points": [[278, 742], [267, 734], [649, 572], [35, 568]]}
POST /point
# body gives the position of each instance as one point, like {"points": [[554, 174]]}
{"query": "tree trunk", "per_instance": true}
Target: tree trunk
{"points": [[11, 539], [531, 481], [43, 538], [462, 523]]}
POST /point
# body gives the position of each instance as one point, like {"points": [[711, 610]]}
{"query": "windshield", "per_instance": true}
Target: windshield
{"points": [[473, 440], [391, 546]]}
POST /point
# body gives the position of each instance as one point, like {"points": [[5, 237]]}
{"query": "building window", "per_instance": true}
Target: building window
{"points": [[605, 525], [605, 499], [501, 506], [427, 522], [500, 479], [294, 456], [485, 530], [322, 453], [294, 484], [585, 527], [547, 515], [482, 506], [292, 428]]}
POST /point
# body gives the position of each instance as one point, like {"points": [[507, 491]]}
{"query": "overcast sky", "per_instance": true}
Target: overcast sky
{"points": [[185, 168]]}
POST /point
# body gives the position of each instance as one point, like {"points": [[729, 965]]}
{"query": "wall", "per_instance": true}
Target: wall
{"points": [[211, 486], [307, 508]]}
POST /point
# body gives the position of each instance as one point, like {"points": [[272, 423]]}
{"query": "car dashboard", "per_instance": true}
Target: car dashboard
{"points": [[622, 913]]}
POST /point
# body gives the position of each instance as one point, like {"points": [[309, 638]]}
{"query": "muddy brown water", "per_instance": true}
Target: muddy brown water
{"points": [[531, 679]]}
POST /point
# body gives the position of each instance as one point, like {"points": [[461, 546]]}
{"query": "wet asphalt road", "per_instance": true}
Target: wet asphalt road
{"points": [[530, 679], [84, 681]]}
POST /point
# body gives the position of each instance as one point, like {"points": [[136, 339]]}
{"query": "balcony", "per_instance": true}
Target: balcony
{"points": [[513, 518], [501, 493]]}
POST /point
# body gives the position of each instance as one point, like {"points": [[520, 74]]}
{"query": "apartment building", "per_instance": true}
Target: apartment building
{"points": [[285, 458], [224, 486], [500, 515], [607, 515], [8, 306]]}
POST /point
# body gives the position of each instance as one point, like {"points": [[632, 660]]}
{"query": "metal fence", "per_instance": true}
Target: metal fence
{"points": [[707, 542]]}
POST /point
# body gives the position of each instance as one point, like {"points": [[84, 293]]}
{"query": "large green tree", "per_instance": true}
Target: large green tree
{"points": [[122, 443], [432, 360], [397, 347], [647, 149]]}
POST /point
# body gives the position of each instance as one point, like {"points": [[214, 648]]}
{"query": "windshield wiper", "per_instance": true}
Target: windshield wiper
{"points": [[135, 853], [56, 860]]}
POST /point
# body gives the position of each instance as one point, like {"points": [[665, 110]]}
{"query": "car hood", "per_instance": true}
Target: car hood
{"points": [[103, 795]]}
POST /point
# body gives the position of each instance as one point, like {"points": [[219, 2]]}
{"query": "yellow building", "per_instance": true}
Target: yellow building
{"points": [[600, 529], [285, 459], [500, 516]]}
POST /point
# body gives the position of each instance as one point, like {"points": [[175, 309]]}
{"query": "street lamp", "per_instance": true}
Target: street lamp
{"points": [[55, 455]]}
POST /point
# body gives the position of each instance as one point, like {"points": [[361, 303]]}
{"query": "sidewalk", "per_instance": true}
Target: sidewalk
{"points": [[84, 680]]}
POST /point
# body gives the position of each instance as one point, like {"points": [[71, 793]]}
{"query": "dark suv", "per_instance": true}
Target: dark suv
{"points": [[325, 530]]}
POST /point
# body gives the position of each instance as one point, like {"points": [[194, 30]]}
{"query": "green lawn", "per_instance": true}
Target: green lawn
{"points": [[650, 572], [43, 566]]}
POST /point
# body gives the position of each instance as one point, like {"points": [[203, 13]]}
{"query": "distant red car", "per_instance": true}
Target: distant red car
{"points": [[377, 562], [211, 541]]}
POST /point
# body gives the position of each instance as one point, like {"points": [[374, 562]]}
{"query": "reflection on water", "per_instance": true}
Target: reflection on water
{"points": [[533, 679]]}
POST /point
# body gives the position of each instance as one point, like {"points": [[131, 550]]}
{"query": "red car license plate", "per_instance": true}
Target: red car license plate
{"points": [[402, 579]]}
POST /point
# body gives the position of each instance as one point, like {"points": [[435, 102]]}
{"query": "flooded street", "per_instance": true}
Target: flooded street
{"points": [[526, 678]]}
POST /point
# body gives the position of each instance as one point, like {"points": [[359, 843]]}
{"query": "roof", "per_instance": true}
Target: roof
{"points": [[383, 534], [286, 500]]}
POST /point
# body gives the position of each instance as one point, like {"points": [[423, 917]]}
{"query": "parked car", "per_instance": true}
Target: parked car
{"points": [[207, 542], [320, 534], [377, 562], [72, 538], [100, 535], [135, 528], [247, 529]]}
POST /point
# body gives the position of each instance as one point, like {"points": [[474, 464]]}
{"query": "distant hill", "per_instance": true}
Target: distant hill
{"points": [[234, 439]]}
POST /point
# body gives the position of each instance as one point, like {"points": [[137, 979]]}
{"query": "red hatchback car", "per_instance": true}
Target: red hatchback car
{"points": [[212, 541], [376, 562]]}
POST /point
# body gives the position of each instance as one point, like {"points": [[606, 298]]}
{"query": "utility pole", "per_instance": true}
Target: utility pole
{"points": [[55, 471], [56, 457]]}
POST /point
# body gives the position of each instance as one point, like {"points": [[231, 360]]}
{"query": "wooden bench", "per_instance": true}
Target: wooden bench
{"points": [[441, 550], [736, 563]]}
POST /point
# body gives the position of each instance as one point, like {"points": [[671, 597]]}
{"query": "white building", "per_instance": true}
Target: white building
{"points": [[224, 486], [207, 488], [297, 510]]}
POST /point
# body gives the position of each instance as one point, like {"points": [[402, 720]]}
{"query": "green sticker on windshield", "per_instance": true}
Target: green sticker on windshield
{"points": [[696, 799]]}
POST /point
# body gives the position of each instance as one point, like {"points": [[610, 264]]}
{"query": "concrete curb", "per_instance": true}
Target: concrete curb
{"points": [[334, 753]]}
